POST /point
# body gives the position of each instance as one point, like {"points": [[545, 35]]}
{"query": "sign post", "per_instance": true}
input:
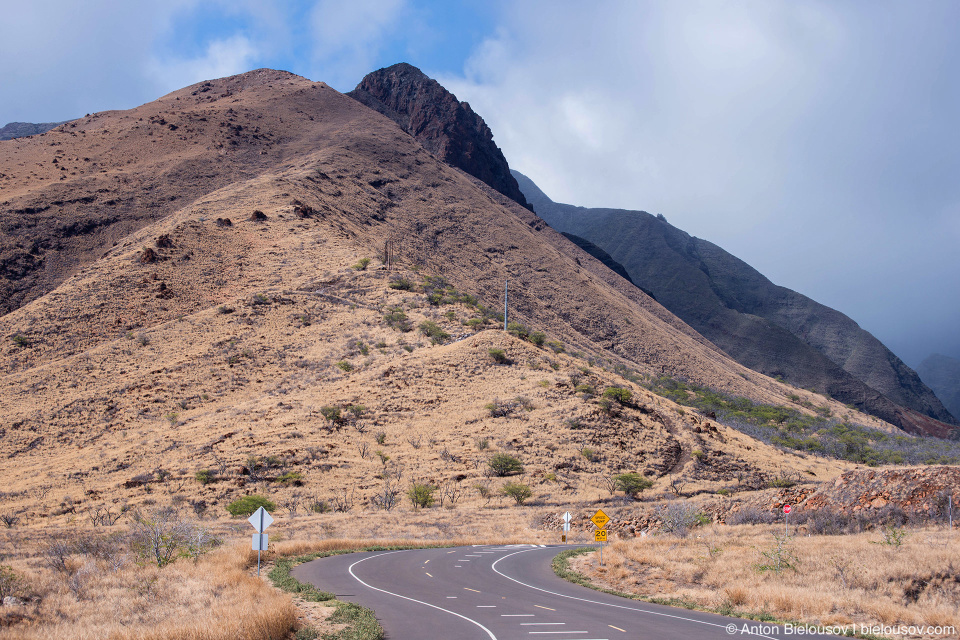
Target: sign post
{"points": [[566, 526], [260, 521], [600, 520], [786, 518]]}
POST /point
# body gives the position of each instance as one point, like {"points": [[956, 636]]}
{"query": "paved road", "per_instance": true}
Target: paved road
{"points": [[504, 593]]}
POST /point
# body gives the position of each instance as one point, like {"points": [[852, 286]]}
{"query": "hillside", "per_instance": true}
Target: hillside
{"points": [[942, 374], [446, 127], [228, 289], [765, 327]]}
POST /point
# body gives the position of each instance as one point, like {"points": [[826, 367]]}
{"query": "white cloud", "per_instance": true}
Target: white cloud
{"points": [[222, 58], [814, 140], [346, 37]]}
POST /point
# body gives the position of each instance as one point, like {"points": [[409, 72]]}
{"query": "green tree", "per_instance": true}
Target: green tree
{"points": [[246, 505], [421, 494], [503, 464], [631, 483], [518, 491]]}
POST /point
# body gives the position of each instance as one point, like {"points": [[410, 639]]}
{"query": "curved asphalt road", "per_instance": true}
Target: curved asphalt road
{"points": [[505, 593]]}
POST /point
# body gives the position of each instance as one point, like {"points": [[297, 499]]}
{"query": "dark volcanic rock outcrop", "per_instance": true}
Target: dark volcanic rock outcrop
{"points": [[447, 128], [942, 374], [768, 328]]}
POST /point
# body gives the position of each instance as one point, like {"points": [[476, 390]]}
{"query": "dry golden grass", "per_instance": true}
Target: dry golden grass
{"points": [[837, 580], [215, 598]]}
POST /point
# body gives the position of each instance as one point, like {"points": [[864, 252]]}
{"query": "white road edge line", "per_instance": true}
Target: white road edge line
{"points": [[397, 595], [605, 604]]}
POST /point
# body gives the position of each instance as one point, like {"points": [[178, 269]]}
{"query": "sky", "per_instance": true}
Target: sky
{"points": [[816, 140]]}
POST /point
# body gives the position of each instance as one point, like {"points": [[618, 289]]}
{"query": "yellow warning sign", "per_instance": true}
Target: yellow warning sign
{"points": [[600, 519], [600, 535]]}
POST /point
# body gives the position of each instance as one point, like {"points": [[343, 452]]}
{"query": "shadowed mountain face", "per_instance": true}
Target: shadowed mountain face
{"points": [[768, 328], [942, 374], [445, 127], [23, 129]]}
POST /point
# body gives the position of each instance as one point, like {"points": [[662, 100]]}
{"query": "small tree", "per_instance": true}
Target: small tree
{"points": [[503, 464], [205, 476], [632, 483], [518, 491], [421, 494]]}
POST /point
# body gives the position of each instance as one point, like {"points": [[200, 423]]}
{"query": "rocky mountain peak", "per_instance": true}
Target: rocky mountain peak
{"points": [[446, 127]]}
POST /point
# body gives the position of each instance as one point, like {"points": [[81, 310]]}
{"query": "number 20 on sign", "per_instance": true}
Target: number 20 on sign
{"points": [[600, 535]]}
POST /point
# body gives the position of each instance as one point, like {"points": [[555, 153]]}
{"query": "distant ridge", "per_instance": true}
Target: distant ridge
{"points": [[447, 128], [942, 374], [23, 129], [768, 328]]}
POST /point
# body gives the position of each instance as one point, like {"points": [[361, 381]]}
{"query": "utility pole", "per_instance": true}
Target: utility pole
{"points": [[505, 284]]}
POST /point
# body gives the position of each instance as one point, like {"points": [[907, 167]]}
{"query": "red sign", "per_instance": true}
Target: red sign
{"points": [[786, 508]]}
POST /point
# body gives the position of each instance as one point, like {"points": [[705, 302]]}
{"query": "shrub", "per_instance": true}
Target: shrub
{"points": [[538, 338], [499, 356], [160, 536], [780, 483], [750, 515], [421, 495], [291, 477], [518, 491], [631, 483], [677, 518], [345, 366], [779, 557], [433, 331], [205, 476], [401, 284], [320, 506], [21, 340], [556, 346], [397, 319], [483, 443], [332, 414], [362, 264], [618, 394], [9, 582], [474, 323], [499, 408], [588, 453], [585, 389], [503, 464], [518, 330], [246, 505]]}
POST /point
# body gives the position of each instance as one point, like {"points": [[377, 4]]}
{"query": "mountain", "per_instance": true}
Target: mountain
{"points": [[765, 327], [259, 276], [22, 129], [942, 374], [445, 127]]}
